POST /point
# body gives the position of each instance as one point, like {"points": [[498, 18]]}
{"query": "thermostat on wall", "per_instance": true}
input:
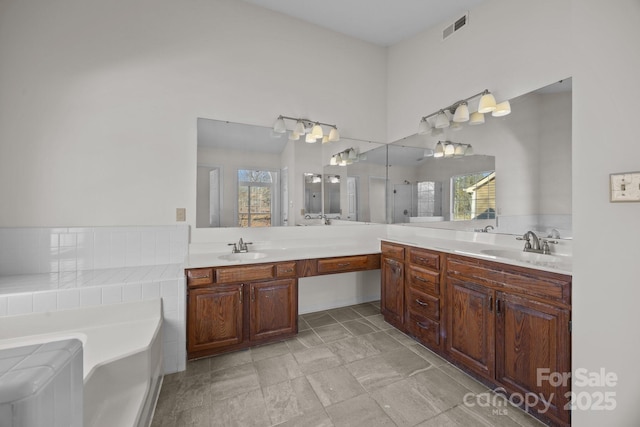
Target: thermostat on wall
{"points": [[625, 187]]}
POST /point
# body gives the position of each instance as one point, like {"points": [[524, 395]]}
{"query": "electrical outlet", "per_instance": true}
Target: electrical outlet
{"points": [[181, 214]]}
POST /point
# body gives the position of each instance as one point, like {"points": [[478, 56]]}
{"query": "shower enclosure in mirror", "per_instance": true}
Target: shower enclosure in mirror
{"points": [[519, 178]]}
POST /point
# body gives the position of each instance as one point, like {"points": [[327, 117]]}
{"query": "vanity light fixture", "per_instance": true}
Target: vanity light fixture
{"points": [[458, 112], [307, 127], [344, 158], [448, 149]]}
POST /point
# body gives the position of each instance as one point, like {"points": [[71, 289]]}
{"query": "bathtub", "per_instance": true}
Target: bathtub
{"points": [[122, 356]]}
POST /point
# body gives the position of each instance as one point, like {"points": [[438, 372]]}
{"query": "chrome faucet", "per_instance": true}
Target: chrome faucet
{"points": [[530, 236], [239, 247]]}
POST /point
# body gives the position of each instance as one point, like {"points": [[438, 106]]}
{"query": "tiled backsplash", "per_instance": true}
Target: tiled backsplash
{"points": [[53, 250], [51, 269]]}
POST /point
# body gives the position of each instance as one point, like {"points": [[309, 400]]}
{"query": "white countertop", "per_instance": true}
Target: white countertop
{"points": [[554, 263], [284, 253], [499, 248]]}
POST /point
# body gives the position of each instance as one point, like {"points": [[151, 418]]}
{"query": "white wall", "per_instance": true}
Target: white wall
{"points": [[100, 99], [509, 47], [605, 265]]}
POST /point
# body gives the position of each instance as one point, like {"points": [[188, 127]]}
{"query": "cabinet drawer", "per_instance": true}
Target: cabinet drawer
{"points": [[423, 304], [392, 251], [424, 280], [245, 273], [336, 265], [426, 330], [199, 276], [286, 269], [521, 280], [425, 258]]}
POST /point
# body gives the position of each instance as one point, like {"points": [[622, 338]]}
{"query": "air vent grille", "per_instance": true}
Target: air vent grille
{"points": [[456, 26]]}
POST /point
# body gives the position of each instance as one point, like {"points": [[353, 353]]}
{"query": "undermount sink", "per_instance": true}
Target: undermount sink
{"points": [[243, 256], [516, 255]]}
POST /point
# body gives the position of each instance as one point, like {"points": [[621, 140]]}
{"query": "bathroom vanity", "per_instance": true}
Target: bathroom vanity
{"points": [[506, 325], [230, 307]]}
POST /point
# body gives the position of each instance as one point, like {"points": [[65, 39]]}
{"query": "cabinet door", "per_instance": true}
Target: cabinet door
{"points": [[214, 317], [533, 342], [392, 292], [471, 326], [274, 308]]}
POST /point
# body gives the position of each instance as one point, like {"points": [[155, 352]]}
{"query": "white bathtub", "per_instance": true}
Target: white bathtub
{"points": [[122, 356]]}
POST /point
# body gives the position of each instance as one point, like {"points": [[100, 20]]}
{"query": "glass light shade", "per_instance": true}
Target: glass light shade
{"points": [[487, 103], [352, 154], [299, 129], [439, 151], [333, 161], [428, 152], [462, 113], [334, 135], [459, 150], [325, 139], [476, 118], [468, 151], [502, 109], [436, 132], [294, 136], [442, 121], [279, 126], [424, 127], [449, 150], [310, 138], [316, 131], [455, 126], [343, 162]]}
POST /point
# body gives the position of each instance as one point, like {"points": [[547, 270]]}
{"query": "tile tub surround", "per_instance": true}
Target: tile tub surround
{"points": [[52, 269], [121, 366], [346, 367]]}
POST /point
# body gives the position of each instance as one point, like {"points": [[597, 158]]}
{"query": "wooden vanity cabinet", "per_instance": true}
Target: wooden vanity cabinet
{"points": [[240, 306], [424, 303], [506, 323], [392, 289]]}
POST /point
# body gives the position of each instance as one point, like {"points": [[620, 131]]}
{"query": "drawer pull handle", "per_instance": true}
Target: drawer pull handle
{"points": [[490, 304], [344, 264], [422, 325], [422, 303], [420, 279], [288, 270]]}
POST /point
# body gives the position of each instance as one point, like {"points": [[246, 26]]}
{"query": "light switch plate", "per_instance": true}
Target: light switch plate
{"points": [[625, 187], [181, 214]]}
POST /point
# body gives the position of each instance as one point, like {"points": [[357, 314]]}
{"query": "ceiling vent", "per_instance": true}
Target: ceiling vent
{"points": [[459, 24]]}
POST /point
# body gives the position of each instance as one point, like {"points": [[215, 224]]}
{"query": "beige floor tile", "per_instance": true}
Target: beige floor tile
{"points": [[360, 326], [378, 321], [344, 314], [352, 349], [321, 318], [290, 399], [269, 350], [277, 369], [361, 410], [334, 385], [366, 309], [314, 419], [229, 360], [246, 409], [331, 333], [305, 339], [234, 381], [316, 359]]}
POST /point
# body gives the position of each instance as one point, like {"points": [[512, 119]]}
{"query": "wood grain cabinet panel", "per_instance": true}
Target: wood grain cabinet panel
{"points": [[273, 309], [471, 326], [199, 276], [215, 317], [246, 273], [392, 291], [532, 335]]}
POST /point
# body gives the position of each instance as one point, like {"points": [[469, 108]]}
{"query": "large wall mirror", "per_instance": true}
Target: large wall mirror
{"points": [[516, 177]]}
